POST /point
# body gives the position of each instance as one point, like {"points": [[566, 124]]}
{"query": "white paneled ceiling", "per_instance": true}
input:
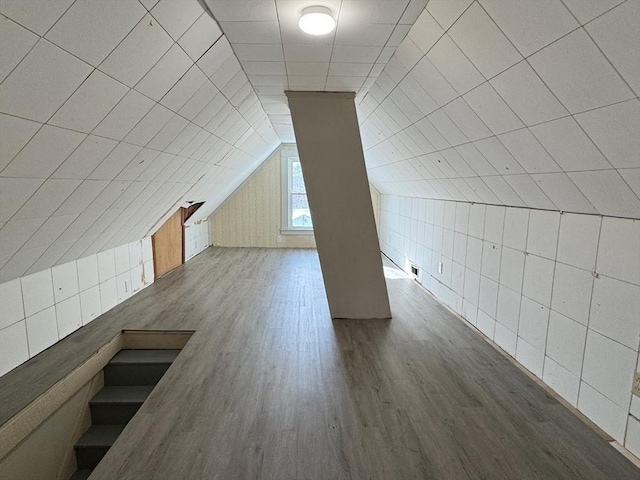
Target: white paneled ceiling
{"points": [[114, 113], [519, 102], [278, 56]]}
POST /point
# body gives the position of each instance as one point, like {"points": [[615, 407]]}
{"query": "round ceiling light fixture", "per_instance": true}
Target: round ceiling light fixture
{"points": [[317, 21]]}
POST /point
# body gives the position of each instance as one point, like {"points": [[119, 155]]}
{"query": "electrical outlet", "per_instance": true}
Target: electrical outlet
{"points": [[279, 239], [439, 267], [636, 384]]}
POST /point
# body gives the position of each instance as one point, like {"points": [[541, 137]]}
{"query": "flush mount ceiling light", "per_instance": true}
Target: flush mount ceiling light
{"points": [[317, 21]]}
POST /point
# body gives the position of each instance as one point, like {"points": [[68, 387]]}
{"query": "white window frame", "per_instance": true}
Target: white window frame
{"points": [[286, 228]]}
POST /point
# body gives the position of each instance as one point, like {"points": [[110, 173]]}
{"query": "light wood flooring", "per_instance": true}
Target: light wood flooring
{"points": [[269, 387]]}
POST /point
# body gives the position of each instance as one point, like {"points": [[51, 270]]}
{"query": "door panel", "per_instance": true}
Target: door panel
{"points": [[168, 245]]}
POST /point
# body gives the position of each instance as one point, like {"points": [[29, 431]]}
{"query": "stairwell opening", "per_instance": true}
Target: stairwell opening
{"points": [[83, 414]]}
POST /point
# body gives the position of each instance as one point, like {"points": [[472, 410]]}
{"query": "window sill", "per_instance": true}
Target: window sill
{"points": [[297, 232]]}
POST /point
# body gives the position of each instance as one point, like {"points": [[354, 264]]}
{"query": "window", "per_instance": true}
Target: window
{"points": [[296, 217]]}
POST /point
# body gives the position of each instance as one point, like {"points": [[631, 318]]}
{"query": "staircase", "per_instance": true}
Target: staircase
{"points": [[129, 378]]}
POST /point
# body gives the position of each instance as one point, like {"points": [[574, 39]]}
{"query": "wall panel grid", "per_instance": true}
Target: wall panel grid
{"points": [[512, 103], [558, 292], [196, 238], [40, 309], [113, 113]]}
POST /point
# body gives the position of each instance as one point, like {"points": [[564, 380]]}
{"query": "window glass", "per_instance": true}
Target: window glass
{"points": [[296, 215], [300, 214]]}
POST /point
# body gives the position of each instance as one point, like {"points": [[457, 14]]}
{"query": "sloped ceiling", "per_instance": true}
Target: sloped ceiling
{"points": [[512, 102], [278, 56], [113, 113]]}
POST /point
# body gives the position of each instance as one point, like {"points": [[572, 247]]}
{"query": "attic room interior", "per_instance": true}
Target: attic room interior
{"points": [[319, 239]]}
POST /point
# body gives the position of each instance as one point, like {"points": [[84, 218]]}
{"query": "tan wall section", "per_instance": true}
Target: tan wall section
{"points": [[167, 245], [47, 453], [251, 216]]}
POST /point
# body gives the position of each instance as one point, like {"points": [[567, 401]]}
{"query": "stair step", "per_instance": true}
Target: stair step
{"points": [[138, 367], [81, 474], [93, 445], [117, 404], [100, 436], [144, 357], [122, 394]]}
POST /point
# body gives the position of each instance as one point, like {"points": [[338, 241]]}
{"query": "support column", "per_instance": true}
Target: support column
{"points": [[330, 149]]}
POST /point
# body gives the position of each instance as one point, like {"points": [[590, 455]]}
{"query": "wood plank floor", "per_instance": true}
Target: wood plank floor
{"points": [[270, 388]]}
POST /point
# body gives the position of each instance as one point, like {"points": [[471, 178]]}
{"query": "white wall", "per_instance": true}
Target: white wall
{"points": [[559, 292], [196, 238], [40, 309]]}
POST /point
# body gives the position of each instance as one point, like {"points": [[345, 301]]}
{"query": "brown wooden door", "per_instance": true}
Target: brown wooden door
{"points": [[168, 245]]}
